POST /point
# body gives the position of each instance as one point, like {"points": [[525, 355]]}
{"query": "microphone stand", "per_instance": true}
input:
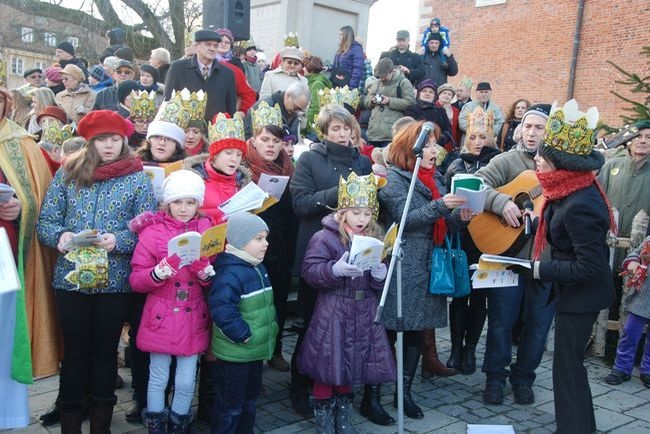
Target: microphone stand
{"points": [[396, 265]]}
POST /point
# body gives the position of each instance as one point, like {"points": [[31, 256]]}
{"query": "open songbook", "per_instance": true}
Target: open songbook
{"points": [[191, 246], [367, 252], [491, 271], [472, 189]]}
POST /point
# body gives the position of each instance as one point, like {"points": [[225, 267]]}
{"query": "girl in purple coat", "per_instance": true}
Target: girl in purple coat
{"points": [[342, 346], [175, 320]]}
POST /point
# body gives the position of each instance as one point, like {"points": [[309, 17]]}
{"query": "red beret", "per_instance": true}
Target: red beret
{"points": [[100, 122], [55, 112]]}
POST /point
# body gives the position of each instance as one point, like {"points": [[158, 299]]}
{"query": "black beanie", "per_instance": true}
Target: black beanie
{"points": [[125, 88], [435, 36], [152, 71], [67, 47], [125, 53]]}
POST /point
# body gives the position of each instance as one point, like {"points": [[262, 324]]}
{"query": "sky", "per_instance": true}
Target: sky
{"points": [[386, 18]]}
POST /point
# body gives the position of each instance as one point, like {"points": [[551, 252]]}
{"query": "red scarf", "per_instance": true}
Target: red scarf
{"points": [[124, 166], [281, 166], [557, 185], [440, 225]]}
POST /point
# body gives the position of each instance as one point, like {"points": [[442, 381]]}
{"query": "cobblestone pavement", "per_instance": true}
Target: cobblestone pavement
{"points": [[449, 404]]}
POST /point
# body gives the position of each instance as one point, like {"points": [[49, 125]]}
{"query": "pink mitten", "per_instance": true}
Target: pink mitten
{"points": [[202, 268], [166, 268]]}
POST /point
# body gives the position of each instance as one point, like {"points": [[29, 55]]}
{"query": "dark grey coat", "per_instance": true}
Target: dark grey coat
{"points": [[420, 309]]}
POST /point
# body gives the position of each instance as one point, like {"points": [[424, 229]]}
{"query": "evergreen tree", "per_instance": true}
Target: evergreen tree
{"points": [[639, 109]]}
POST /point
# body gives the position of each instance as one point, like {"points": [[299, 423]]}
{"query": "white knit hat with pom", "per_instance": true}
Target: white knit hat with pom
{"points": [[183, 184]]}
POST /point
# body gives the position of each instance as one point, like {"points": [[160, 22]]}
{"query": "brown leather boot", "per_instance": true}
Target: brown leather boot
{"points": [[431, 365]]}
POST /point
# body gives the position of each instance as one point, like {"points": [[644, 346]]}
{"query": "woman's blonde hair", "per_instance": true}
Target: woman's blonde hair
{"points": [[346, 40], [373, 229], [42, 97], [81, 165], [490, 141]]}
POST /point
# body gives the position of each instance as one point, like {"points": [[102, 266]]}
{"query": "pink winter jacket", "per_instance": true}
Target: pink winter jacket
{"points": [[176, 319]]}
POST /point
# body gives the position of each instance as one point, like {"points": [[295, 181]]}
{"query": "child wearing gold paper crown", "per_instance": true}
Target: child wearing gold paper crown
{"points": [[174, 321], [342, 346]]}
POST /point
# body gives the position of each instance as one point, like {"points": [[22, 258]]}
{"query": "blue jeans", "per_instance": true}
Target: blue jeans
{"points": [[504, 305], [183, 383], [236, 389]]}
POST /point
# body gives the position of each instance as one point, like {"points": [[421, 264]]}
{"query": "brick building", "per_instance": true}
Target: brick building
{"points": [[524, 47]]}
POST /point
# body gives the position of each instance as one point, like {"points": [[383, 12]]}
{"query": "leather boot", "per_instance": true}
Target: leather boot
{"points": [[206, 392], [343, 414], [431, 365], [371, 406], [156, 423], [101, 414], [474, 329], [411, 359], [179, 424], [324, 412], [299, 384], [71, 415], [456, 331]]}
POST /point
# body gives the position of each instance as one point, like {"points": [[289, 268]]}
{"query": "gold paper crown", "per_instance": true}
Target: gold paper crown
{"points": [[223, 127], [570, 130], [339, 96], [143, 105], [465, 82], [183, 107], [55, 134], [265, 115], [291, 40], [359, 192], [480, 121]]}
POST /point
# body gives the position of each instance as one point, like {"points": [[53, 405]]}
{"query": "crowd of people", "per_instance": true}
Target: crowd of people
{"points": [[76, 153]]}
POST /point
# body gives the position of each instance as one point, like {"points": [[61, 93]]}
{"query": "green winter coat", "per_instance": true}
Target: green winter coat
{"points": [[316, 83]]}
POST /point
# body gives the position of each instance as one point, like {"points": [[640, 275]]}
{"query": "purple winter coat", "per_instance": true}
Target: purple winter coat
{"points": [[169, 325], [342, 346], [352, 61]]}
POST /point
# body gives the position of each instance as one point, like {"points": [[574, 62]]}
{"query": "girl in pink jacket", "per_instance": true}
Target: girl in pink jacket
{"points": [[175, 320]]}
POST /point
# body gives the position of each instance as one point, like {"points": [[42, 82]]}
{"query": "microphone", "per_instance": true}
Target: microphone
{"points": [[422, 139], [528, 205]]}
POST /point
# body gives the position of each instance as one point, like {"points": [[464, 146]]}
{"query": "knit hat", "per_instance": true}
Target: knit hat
{"points": [[435, 37], [99, 122], [484, 85], [242, 227], [53, 74], [67, 47], [542, 110], [125, 88], [435, 21], [166, 129], [448, 87], [73, 71], [55, 112], [570, 138], [226, 32], [97, 72], [183, 184], [642, 124], [152, 71], [428, 83]]}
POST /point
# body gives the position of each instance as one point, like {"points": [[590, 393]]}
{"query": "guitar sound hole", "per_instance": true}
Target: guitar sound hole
{"points": [[523, 201]]}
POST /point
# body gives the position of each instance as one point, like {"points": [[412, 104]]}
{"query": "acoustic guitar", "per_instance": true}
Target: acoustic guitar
{"points": [[491, 233]]}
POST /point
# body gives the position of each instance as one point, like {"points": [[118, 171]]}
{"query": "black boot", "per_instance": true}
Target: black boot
{"points": [[206, 392], [324, 412], [343, 414], [411, 359], [475, 324], [71, 415], [371, 406], [133, 414], [179, 424], [299, 385], [457, 316], [51, 416], [101, 414], [156, 423]]}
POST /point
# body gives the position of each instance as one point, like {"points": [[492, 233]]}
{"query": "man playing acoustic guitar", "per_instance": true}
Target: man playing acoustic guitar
{"points": [[504, 304]]}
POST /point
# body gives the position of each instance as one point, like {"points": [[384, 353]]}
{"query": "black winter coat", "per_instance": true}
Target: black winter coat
{"points": [[433, 69], [220, 85], [314, 187], [579, 267], [428, 111], [409, 59]]}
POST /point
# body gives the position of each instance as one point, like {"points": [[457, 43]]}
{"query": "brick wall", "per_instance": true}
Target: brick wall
{"points": [[524, 47]]}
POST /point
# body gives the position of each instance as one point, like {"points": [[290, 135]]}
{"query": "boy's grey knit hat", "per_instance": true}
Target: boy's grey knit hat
{"points": [[242, 227]]}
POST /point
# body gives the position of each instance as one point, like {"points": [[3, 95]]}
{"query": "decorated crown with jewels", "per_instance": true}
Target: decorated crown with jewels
{"points": [[339, 96], [183, 107], [570, 130], [222, 127], [480, 121], [465, 82], [143, 104], [56, 134], [359, 192], [265, 115]]}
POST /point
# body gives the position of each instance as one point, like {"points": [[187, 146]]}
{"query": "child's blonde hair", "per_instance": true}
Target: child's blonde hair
{"points": [[373, 229]]}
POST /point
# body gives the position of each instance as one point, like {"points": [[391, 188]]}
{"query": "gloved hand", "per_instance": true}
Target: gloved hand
{"points": [[202, 268], [342, 269], [526, 273], [379, 272], [166, 268]]}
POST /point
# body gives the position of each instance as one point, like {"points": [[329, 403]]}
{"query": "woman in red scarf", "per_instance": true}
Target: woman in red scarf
{"points": [[574, 222], [266, 155], [432, 214]]}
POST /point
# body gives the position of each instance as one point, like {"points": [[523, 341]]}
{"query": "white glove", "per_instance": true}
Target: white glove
{"points": [[342, 269], [207, 273], [379, 272], [166, 268]]}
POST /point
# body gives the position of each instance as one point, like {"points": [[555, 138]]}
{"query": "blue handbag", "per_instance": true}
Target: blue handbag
{"points": [[462, 286], [441, 281]]}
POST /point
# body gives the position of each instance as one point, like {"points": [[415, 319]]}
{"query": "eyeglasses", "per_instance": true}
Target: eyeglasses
{"points": [[123, 71], [164, 139], [142, 122], [226, 42], [293, 62]]}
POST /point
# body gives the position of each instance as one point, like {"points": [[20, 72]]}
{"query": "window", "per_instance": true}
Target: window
{"points": [[480, 3], [49, 39], [41, 65], [17, 66], [74, 41], [27, 34]]}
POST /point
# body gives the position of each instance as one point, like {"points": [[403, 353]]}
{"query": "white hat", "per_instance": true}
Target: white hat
{"points": [[183, 184], [166, 129]]}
